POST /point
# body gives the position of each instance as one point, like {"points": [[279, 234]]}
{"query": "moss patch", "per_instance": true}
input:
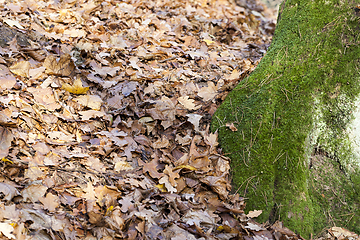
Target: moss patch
{"points": [[299, 98]]}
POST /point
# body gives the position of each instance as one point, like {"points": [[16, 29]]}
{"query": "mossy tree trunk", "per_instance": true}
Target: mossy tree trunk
{"points": [[295, 154]]}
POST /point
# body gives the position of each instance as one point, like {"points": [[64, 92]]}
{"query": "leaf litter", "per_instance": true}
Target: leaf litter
{"points": [[105, 109]]}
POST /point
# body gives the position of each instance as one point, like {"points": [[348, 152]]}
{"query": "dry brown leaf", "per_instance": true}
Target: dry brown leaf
{"points": [[8, 191], [61, 67], [86, 115], [91, 101], [151, 168], [122, 166], [188, 103], [95, 164], [209, 92], [254, 214], [36, 73], [59, 137], [44, 97], [50, 202], [20, 68], [10, 212], [172, 175], [34, 192], [161, 143], [6, 121], [5, 141], [231, 126], [169, 187], [12, 23], [7, 82], [342, 233]]}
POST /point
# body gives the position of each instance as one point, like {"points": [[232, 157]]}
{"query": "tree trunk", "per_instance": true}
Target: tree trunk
{"points": [[295, 154]]}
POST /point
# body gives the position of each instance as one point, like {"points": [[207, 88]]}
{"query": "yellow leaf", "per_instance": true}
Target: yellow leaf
{"points": [[184, 166], [161, 187], [220, 228], [208, 42], [7, 160], [76, 88], [109, 210]]}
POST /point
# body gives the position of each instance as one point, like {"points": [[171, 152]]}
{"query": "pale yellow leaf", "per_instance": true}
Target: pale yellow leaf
{"points": [[254, 214], [12, 23], [20, 68], [50, 202]]}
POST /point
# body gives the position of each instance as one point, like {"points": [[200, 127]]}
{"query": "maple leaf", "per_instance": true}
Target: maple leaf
{"points": [[50, 202]]}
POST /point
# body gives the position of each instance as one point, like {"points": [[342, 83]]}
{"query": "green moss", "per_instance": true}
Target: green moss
{"points": [[300, 96]]}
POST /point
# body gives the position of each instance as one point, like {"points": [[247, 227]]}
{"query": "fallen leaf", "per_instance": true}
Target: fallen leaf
{"points": [[254, 214], [254, 227], [50, 202], [209, 92], [63, 66], [6, 229], [188, 103], [12, 23], [6, 138], [8, 191], [150, 167], [91, 101], [34, 192], [20, 68], [76, 88]]}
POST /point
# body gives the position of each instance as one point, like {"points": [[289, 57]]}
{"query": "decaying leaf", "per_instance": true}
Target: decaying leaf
{"points": [[7, 229], [5, 140], [21, 68], [63, 66], [50, 202], [133, 158], [8, 191], [92, 101], [254, 214], [253, 226]]}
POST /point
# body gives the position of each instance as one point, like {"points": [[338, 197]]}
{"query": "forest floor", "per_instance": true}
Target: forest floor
{"points": [[105, 109]]}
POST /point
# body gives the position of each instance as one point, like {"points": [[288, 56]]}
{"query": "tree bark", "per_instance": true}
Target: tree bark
{"points": [[296, 152]]}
